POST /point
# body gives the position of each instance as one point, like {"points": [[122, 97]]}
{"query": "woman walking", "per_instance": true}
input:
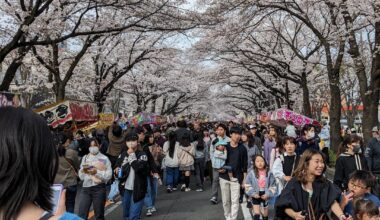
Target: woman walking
{"points": [[200, 162], [67, 174], [95, 171], [170, 161], [186, 155], [349, 160]]}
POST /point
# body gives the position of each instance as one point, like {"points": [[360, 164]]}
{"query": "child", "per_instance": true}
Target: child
{"points": [[359, 186], [220, 156], [290, 130], [286, 163], [366, 210], [260, 186]]}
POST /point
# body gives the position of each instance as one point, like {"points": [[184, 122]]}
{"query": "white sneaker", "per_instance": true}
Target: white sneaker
{"points": [[183, 187], [187, 189], [149, 212], [199, 190], [213, 200], [174, 188], [153, 209]]}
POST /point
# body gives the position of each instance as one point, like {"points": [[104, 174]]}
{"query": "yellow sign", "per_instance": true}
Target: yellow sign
{"points": [[106, 120]]}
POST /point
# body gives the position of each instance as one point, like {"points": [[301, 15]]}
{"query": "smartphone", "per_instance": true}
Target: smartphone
{"points": [[57, 192]]}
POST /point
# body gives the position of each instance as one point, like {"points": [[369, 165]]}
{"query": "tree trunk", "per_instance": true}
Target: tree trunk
{"points": [[153, 106], [9, 75], [306, 97], [373, 94], [335, 110], [60, 92]]}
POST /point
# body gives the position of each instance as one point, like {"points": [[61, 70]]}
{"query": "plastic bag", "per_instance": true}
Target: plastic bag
{"points": [[114, 190]]}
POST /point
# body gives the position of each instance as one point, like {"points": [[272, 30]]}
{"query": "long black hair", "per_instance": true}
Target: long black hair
{"points": [[250, 139], [28, 161], [185, 140], [172, 141]]}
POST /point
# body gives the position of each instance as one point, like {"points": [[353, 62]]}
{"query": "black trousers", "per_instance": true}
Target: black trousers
{"points": [[95, 195]]}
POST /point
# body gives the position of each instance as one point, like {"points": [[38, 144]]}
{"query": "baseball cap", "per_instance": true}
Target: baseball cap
{"points": [[252, 127], [375, 129]]}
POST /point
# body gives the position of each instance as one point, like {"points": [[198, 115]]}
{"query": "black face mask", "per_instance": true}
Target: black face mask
{"points": [[356, 149]]}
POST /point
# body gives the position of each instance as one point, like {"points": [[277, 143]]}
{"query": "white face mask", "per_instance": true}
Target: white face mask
{"points": [[132, 144], [94, 150]]}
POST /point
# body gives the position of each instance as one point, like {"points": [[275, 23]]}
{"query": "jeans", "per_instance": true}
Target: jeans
{"points": [[209, 169], [95, 195], [71, 193], [230, 197], [199, 166], [151, 193], [172, 175], [215, 183], [131, 210]]}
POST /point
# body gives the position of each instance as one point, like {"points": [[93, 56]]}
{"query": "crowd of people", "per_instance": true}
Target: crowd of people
{"points": [[258, 164]]}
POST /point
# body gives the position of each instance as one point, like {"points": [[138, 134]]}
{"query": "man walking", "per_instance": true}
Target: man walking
{"points": [[372, 155], [230, 188], [221, 130]]}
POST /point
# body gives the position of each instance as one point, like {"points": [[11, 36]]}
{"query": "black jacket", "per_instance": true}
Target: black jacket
{"points": [[372, 154], [345, 165], [293, 196], [141, 169], [238, 172]]}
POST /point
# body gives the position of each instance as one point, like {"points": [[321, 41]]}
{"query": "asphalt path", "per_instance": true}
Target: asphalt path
{"points": [[183, 205]]}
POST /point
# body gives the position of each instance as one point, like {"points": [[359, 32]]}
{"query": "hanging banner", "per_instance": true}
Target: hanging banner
{"points": [[84, 111], [57, 114], [63, 112], [9, 99], [281, 116]]}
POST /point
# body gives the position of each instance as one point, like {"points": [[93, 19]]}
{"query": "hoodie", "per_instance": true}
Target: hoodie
{"points": [[345, 165]]}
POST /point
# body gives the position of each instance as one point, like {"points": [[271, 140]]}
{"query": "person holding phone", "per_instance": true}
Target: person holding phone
{"points": [[95, 171], [28, 166], [132, 170]]}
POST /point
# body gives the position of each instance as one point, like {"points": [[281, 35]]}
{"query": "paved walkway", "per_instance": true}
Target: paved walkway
{"points": [[182, 205]]}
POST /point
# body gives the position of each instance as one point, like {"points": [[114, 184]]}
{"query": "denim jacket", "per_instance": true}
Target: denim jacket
{"points": [[252, 185]]}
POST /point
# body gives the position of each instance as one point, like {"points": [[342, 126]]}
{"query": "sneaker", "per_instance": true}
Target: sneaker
{"points": [[183, 187], [153, 209], [199, 190], [111, 201], [214, 201], [187, 189], [174, 188], [249, 204], [168, 190], [149, 212]]}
